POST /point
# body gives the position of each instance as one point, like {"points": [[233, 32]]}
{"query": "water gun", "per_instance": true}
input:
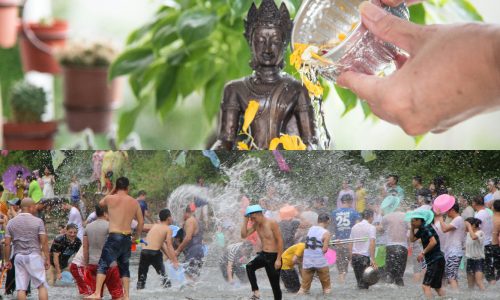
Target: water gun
{"points": [[141, 241]]}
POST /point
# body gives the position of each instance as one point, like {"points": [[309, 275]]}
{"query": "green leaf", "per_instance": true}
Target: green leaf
{"points": [[417, 13], [166, 90], [468, 9], [366, 109], [418, 139], [132, 60], [196, 24], [126, 122], [348, 98], [195, 74], [165, 32], [213, 96], [326, 88]]}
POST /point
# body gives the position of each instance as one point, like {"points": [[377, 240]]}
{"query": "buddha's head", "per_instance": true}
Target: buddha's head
{"points": [[268, 30]]}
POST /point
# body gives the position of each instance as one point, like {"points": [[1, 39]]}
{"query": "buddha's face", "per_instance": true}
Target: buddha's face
{"points": [[267, 46]]}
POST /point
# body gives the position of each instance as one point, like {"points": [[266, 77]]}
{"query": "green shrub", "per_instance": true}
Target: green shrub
{"points": [[27, 102]]}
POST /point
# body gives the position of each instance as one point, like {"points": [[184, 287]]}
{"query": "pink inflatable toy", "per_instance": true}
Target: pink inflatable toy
{"points": [[331, 256]]}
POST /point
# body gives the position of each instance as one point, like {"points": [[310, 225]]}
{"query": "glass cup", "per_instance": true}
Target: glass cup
{"points": [[345, 44]]}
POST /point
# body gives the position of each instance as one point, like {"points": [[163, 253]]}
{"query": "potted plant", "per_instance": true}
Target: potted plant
{"points": [[27, 131], [38, 41], [89, 98], [9, 11]]}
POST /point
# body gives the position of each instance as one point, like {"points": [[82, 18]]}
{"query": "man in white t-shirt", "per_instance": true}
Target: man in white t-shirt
{"points": [[453, 248], [74, 217], [363, 253], [486, 227]]}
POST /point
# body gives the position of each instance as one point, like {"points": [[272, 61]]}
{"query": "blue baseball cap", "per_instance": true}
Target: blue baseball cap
{"points": [[253, 209]]}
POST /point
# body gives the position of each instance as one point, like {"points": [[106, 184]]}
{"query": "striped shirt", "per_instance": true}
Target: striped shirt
{"points": [[24, 230]]}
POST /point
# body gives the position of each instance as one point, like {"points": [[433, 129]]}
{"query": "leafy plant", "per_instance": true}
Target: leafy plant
{"points": [[194, 46], [27, 102], [87, 54]]}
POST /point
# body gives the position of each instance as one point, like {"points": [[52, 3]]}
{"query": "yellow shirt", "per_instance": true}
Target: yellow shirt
{"points": [[287, 256], [360, 200]]}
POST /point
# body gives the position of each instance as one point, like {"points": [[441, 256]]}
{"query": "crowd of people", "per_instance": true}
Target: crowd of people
{"points": [[377, 235]]}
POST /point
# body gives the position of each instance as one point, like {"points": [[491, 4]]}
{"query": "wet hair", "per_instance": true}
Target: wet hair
{"points": [[418, 179], [496, 205], [456, 207], [164, 214], [478, 200], [396, 177], [30, 178], [141, 193], [99, 211], [466, 196], [323, 218], [180, 234], [368, 213], [474, 221], [346, 198], [72, 226], [109, 174], [122, 183], [421, 220]]}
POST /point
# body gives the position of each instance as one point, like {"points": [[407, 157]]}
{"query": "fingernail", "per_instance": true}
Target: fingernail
{"points": [[371, 11]]}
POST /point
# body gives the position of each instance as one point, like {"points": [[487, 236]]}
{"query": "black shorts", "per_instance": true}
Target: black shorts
{"points": [[434, 274], [475, 265]]}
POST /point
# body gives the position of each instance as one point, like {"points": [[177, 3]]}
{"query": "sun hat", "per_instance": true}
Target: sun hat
{"points": [[253, 209], [444, 203], [425, 214], [389, 204]]}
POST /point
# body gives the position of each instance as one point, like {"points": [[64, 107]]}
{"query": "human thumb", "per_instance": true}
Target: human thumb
{"points": [[390, 28]]}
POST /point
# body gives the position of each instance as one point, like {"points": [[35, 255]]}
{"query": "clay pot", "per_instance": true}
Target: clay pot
{"points": [[52, 37], [29, 136], [89, 99], [8, 23]]}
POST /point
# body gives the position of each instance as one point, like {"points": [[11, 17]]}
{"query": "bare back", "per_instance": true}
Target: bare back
{"points": [[156, 236], [122, 209], [267, 236], [496, 229]]}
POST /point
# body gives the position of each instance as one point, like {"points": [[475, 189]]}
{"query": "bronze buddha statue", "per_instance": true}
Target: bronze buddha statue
{"points": [[284, 103]]}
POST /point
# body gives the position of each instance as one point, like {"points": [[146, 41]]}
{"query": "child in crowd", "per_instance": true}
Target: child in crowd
{"points": [[474, 252], [292, 256]]}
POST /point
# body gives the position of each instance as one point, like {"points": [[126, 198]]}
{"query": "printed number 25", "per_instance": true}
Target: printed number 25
{"points": [[342, 221]]}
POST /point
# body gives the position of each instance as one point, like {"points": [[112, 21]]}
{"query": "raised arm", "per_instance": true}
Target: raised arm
{"points": [[245, 231]]}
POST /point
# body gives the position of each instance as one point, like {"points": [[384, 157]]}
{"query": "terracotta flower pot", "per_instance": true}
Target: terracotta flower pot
{"points": [[53, 37], [29, 136], [8, 23], [89, 99]]}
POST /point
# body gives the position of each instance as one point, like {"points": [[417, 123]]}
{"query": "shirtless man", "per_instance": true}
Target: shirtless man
{"points": [[159, 239], [192, 245], [272, 248], [122, 209], [494, 235]]}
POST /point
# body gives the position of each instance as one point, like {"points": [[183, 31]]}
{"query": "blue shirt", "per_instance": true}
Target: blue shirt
{"points": [[143, 205], [344, 219]]}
